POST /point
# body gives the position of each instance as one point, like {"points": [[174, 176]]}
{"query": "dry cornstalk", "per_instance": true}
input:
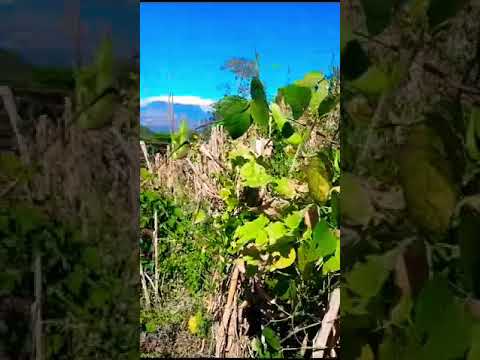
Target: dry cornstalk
{"points": [[146, 295], [155, 249], [321, 338], [223, 329], [145, 155]]}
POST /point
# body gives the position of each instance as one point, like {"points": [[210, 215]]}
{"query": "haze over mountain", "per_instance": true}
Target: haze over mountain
{"points": [[154, 112]]}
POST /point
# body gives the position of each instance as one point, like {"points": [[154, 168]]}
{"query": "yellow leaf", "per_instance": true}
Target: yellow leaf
{"points": [[283, 262]]}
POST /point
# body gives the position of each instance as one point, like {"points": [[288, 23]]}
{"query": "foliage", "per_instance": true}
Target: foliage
{"points": [[409, 177], [294, 255]]}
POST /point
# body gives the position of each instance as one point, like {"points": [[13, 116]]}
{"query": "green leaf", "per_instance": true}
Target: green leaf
{"points": [[286, 188], [254, 175], [252, 230], [272, 338], [373, 82], [327, 105], [278, 116], [295, 139], [283, 262], [378, 14], [298, 97], [367, 278], [444, 320], [355, 61], [151, 326], [259, 106], [430, 193], [200, 217], [333, 263], [318, 180], [294, 219], [275, 231], [355, 203], [233, 112], [323, 241], [180, 141], [311, 79]]}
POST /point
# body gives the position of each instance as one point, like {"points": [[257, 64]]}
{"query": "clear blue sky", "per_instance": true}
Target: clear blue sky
{"points": [[183, 45]]}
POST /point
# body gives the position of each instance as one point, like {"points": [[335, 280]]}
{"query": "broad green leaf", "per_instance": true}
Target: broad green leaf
{"points": [[200, 216], [254, 175], [278, 116], [250, 260], [429, 192], [333, 263], [286, 188], [259, 106], [378, 14], [318, 180], [271, 338], [327, 105], [367, 278], [443, 320], [233, 112], [298, 97], [275, 231], [283, 262], [302, 258], [323, 241], [355, 203], [311, 79], [355, 61], [288, 130], [294, 219], [373, 82], [295, 139], [252, 230]]}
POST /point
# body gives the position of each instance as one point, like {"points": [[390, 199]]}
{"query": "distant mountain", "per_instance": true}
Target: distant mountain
{"points": [[153, 137], [154, 115]]}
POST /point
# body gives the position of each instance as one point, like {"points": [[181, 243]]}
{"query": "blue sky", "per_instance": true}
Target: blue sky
{"points": [[40, 30], [183, 45]]}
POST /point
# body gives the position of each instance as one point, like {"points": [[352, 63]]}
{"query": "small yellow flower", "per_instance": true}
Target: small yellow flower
{"points": [[194, 323]]}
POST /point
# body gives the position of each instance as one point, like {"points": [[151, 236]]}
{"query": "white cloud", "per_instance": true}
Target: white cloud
{"points": [[205, 104]]}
